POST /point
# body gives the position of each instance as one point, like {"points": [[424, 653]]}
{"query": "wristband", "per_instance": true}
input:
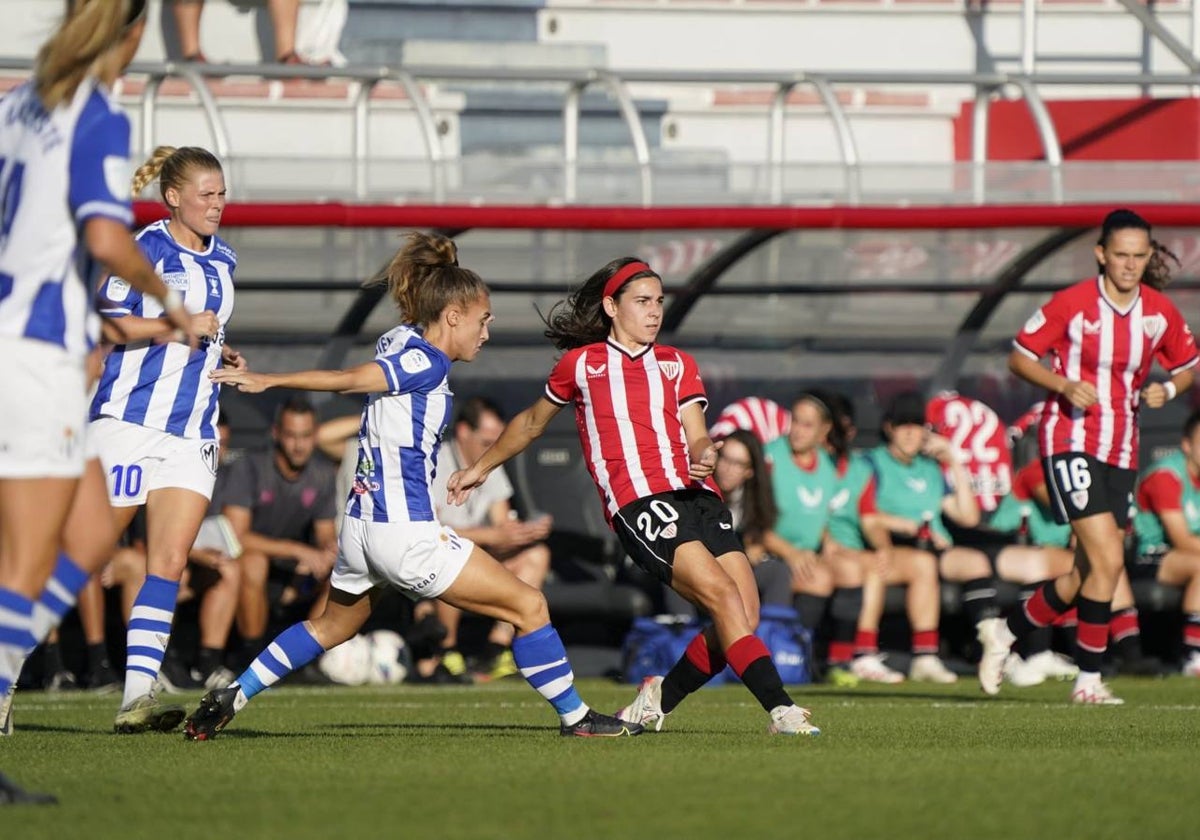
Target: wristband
{"points": [[1169, 387], [171, 300]]}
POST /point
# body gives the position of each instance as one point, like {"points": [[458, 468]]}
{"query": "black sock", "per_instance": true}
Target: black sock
{"points": [[680, 681], [762, 678], [811, 609], [1091, 636], [208, 660], [97, 655], [1050, 605], [52, 657], [979, 599]]}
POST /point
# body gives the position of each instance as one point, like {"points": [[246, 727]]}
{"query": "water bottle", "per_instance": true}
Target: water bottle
{"points": [[925, 532]]}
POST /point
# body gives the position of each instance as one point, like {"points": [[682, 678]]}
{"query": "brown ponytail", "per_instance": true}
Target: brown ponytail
{"points": [[89, 30], [424, 278]]}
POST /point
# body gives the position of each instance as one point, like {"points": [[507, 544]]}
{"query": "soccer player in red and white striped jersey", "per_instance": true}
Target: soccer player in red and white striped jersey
{"points": [[767, 419], [639, 407], [1103, 335], [980, 442]]}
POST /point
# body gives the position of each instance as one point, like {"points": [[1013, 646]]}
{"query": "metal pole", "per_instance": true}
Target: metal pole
{"points": [[362, 138], [571, 141], [425, 118], [777, 139], [149, 115], [1028, 36], [845, 136], [979, 143], [216, 126], [1049, 135], [641, 149]]}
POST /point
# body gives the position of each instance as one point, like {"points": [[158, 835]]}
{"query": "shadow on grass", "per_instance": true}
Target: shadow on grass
{"points": [[866, 697], [384, 730]]}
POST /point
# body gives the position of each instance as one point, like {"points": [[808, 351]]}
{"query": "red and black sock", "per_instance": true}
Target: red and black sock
{"points": [[1038, 639], [699, 664], [1191, 633], [925, 642], [750, 660], [866, 642], [1041, 610], [1091, 638], [1125, 634]]}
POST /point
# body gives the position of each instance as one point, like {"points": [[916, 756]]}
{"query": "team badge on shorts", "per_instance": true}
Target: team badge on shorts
{"points": [[208, 454], [1079, 498]]}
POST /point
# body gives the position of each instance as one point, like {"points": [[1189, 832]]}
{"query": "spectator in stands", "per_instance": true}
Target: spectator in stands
{"points": [[487, 518], [745, 482], [1104, 334], [284, 15], [911, 496], [281, 505], [1168, 531], [858, 532]]}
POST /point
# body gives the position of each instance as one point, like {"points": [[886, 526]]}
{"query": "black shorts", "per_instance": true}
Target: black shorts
{"points": [[650, 529], [1081, 486], [1144, 566]]}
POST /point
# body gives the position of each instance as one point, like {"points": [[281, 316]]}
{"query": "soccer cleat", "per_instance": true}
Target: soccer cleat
{"points": [[1054, 666], [452, 669], [870, 668], [215, 711], [1023, 673], [791, 720], [1096, 694], [174, 678], [503, 666], [6, 704], [219, 677], [646, 708], [61, 680], [1191, 668], [104, 681], [927, 667], [596, 725], [840, 676], [997, 640], [12, 794], [146, 713]]}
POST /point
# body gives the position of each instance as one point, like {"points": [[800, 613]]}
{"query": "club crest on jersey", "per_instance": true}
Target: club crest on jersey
{"points": [[1154, 326], [594, 371], [670, 370], [1036, 321], [208, 454], [1079, 498], [214, 286], [809, 498]]}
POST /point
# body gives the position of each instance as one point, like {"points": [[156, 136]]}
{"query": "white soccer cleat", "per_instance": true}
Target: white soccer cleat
{"points": [[997, 640], [791, 720], [870, 668], [1023, 673], [1055, 666], [927, 667], [646, 708], [1096, 694], [1191, 668]]}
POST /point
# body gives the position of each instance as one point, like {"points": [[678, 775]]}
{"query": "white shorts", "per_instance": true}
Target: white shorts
{"points": [[138, 460], [44, 411], [421, 559]]}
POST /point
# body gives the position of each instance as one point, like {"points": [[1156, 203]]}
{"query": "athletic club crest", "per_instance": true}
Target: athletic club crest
{"points": [[1154, 326], [1079, 498], [670, 531], [670, 370]]}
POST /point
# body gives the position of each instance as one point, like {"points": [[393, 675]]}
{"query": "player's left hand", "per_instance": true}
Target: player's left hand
{"points": [[243, 380], [701, 468], [233, 359]]}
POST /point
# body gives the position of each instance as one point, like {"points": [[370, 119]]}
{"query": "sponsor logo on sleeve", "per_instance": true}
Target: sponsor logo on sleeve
{"points": [[414, 361], [116, 289]]}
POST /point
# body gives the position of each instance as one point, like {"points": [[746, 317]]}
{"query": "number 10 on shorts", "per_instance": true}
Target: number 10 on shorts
{"points": [[126, 481]]}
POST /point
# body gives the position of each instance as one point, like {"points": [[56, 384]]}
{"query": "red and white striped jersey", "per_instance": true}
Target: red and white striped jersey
{"points": [[765, 419], [627, 410], [979, 441], [1093, 340]]}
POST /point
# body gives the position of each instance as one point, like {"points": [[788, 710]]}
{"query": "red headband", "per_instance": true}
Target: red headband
{"points": [[623, 276]]}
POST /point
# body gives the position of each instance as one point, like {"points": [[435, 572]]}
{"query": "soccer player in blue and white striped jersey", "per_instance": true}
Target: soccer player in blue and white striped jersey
{"points": [[391, 535], [153, 418], [64, 149]]}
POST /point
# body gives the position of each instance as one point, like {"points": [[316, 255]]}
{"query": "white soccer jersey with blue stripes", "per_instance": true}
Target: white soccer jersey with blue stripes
{"points": [[57, 170], [166, 386], [401, 431]]}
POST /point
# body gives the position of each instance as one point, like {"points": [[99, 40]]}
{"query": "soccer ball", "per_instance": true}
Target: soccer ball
{"points": [[350, 663], [390, 659]]}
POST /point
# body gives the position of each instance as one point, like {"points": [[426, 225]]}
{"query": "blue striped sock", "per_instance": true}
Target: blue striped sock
{"points": [[58, 598], [294, 648], [543, 662], [149, 632], [16, 637]]}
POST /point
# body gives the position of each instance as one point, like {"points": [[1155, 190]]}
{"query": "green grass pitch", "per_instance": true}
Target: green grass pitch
{"points": [[912, 761]]}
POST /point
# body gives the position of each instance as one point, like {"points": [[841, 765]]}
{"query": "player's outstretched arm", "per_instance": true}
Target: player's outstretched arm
{"points": [[521, 431], [364, 379]]}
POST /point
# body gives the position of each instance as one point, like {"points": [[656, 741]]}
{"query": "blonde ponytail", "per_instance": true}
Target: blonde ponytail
{"points": [[171, 166], [89, 30], [424, 278]]}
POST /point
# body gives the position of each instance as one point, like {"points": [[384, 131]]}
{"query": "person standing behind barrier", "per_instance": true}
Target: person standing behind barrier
{"points": [[1168, 532], [639, 408], [61, 140], [153, 417], [1103, 335], [284, 16], [391, 535]]}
